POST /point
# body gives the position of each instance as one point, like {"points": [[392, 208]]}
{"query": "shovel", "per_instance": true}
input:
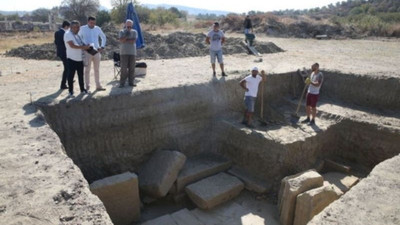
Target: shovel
{"points": [[261, 120], [295, 118]]}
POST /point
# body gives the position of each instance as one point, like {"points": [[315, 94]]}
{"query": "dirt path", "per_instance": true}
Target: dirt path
{"points": [[39, 184]]}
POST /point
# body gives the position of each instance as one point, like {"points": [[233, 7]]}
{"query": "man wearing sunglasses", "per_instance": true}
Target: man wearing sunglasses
{"points": [[127, 51]]}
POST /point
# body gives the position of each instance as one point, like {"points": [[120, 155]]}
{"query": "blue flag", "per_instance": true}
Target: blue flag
{"points": [[132, 15]]}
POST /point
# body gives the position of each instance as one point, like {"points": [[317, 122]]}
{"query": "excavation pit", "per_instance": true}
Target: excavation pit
{"points": [[357, 124]]}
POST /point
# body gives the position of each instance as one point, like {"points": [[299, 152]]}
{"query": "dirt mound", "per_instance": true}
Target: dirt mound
{"points": [[175, 45]]}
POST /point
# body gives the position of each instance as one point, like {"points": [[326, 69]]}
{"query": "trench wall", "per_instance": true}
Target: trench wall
{"points": [[115, 134], [377, 92]]}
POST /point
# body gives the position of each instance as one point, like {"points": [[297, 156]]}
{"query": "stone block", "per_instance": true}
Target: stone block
{"points": [[199, 167], [120, 196], [185, 217], [158, 174], [214, 190], [162, 220], [312, 202], [342, 181], [251, 183], [293, 186]]}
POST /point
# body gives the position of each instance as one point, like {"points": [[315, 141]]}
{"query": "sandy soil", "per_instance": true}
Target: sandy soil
{"points": [[40, 185]]}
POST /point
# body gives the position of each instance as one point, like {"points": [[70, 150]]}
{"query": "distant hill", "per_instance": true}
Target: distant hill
{"points": [[190, 10], [20, 13]]}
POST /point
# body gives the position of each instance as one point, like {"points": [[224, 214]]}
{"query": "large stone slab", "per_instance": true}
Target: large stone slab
{"points": [[162, 220], [343, 181], [251, 183], [214, 190], [120, 196], [291, 188], [199, 167], [159, 173], [185, 217], [312, 202]]}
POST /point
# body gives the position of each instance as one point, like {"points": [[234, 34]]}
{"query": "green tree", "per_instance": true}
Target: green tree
{"points": [[118, 12], [79, 9], [102, 17], [162, 16], [40, 15]]}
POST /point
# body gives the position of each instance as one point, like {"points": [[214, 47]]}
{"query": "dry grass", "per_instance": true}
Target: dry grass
{"points": [[9, 41]]}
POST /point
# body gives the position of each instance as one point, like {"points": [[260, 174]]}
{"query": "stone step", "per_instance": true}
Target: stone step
{"points": [[251, 183], [162, 220], [158, 174], [185, 217], [342, 181], [199, 167], [229, 213], [214, 190]]}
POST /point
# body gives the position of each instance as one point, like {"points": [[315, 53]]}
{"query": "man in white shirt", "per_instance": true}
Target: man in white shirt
{"points": [[216, 38], [314, 81], [250, 84], [90, 35], [74, 47]]}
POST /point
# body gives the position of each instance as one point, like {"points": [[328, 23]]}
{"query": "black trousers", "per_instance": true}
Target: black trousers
{"points": [[65, 72], [75, 66]]}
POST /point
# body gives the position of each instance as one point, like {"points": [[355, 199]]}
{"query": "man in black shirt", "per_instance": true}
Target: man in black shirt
{"points": [[61, 51]]}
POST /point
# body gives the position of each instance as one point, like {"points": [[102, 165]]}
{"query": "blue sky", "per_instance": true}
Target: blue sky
{"points": [[225, 5]]}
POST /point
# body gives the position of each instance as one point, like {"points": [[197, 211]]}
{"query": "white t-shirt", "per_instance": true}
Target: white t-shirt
{"points": [[315, 78], [90, 36], [215, 40], [252, 84], [72, 53]]}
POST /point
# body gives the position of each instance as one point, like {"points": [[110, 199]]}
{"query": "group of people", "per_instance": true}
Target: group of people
{"points": [[251, 83], [80, 46]]}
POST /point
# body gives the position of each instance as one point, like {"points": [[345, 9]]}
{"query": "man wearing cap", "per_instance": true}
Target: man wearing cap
{"points": [[250, 84], [215, 38]]}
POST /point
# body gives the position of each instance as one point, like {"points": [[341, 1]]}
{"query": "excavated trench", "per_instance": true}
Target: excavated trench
{"points": [[115, 134]]}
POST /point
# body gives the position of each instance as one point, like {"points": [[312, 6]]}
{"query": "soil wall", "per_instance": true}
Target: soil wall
{"points": [[114, 134]]}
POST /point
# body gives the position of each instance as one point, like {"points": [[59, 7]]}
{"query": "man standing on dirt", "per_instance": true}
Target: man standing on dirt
{"points": [[314, 81], [90, 35], [247, 25], [127, 51], [61, 51], [75, 46], [215, 38], [250, 84]]}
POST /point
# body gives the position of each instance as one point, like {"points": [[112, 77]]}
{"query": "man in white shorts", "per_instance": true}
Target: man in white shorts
{"points": [[215, 38]]}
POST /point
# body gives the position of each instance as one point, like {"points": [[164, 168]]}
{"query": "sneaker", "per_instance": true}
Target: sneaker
{"points": [[84, 91], [306, 120], [312, 122], [214, 74], [132, 85], [71, 95], [224, 74], [63, 87], [100, 89]]}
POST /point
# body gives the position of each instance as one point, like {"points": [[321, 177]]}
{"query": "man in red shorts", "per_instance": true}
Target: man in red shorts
{"points": [[314, 81]]}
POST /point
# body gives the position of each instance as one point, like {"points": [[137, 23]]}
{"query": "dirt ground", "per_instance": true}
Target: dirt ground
{"points": [[39, 184]]}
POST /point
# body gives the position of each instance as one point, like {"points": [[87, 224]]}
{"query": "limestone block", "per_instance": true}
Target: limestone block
{"points": [[312, 202], [120, 196], [162, 220], [214, 190], [251, 183], [199, 167], [292, 187], [185, 217], [343, 181], [159, 173]]}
